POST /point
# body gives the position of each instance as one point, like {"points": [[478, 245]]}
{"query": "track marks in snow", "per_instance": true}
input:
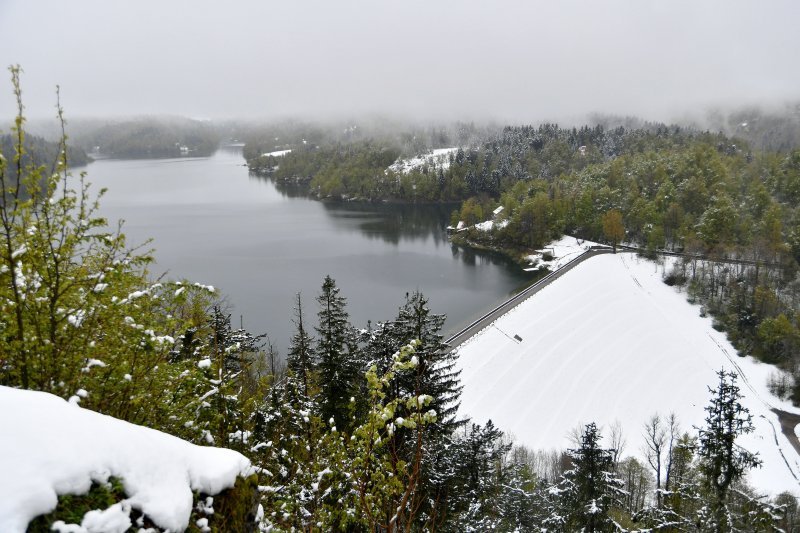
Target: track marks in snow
{"points": [[607, 341]]}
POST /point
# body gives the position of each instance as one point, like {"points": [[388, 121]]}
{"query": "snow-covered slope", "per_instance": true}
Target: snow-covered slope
{"points": [[50, 447], [608, 342], [279, 153], [438, 158]]}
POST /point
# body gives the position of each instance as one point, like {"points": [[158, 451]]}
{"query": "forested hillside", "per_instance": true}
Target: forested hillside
{"points": [[39, 151], [658, 187], [137, 137], [147, 137]]}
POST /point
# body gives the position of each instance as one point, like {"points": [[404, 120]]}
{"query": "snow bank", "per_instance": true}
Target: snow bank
{"points": [[438, 158], [50, 447], [607, 342]]}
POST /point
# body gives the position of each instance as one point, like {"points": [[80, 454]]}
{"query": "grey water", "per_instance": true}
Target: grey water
{"points": [[261, 243]]}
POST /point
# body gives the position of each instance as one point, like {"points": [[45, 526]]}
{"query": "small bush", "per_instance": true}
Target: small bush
{"points": [[675, 277], [780, 384]]}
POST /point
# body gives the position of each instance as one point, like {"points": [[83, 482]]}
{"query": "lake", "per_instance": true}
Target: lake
{"points": [[215, 223]]}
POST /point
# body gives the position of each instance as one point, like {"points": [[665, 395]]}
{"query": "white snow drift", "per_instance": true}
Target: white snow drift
{"points": [[607, 342], [50, 447]]}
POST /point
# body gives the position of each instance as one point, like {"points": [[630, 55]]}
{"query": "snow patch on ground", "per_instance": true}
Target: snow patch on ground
{"points": [[50, 447], [489, 224], [607, 342], [438, 158], [279, 153], [561, 251]]}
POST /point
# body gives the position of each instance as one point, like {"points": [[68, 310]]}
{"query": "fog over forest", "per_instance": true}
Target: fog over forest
{"points": [[501, 60]]}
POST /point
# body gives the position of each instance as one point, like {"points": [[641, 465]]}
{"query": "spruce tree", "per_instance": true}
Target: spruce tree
{"points": [[300, 359], [588, 491], [436, 375], [722, 461], [338, 367]]}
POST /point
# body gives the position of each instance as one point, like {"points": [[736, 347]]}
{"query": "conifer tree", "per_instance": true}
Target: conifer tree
{"points": [[722, 461], [338, 367], [436, 374], [225, 359], [286, 431], [437, 377], [301, 359], [486, 492], [588, 491]]}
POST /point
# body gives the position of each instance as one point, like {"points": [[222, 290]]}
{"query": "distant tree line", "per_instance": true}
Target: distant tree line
{"points": [[39, 151], [147, 137]]}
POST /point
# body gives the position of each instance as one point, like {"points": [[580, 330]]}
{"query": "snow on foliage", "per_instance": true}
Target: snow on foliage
{"points": [[609, 341], [50, 447]]}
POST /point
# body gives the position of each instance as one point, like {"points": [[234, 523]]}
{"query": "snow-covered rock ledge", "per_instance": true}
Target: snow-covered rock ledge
{"points": [[50, 447]]}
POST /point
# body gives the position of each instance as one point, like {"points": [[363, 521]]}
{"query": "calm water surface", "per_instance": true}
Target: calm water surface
{"points": [[214, 223]]}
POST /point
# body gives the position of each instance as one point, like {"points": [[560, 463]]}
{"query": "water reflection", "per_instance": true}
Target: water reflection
{"points": [[393, 223], [262, 242]]}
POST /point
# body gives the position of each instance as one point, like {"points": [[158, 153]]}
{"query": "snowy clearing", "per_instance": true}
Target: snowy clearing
{"points": [[562, 251], [438, 158], [489, 224], [279, 153], [611, 342], [51, 447]]}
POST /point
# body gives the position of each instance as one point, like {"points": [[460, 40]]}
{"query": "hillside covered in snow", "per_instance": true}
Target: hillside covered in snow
{"points": [[610, 343]]}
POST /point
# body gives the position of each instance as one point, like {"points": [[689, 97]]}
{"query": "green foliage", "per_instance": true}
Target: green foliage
{"points": [[77, 310], [613, 229], [71, 508], [234, 509]]}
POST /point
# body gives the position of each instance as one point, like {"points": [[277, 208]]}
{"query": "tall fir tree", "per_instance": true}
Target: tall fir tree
{"points": [[339, 371], [436, 375], [589, 489], [722, 461], [301, 359]]}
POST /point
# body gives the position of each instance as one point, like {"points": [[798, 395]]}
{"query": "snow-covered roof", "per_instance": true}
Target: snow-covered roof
{"points": [[50, 447], [609, 341]]}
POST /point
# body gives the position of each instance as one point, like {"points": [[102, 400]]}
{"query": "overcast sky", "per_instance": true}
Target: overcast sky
{"points": [[508, 60]]}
